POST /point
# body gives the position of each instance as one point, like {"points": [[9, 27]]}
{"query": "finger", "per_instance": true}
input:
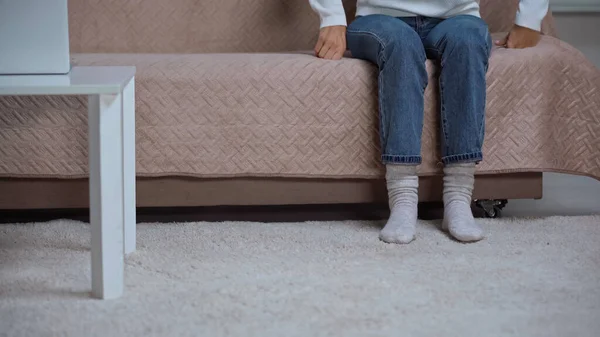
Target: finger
{"points": [[339, 55], [324, 50], [341, 52], [503, 41], [331, 54], [319, 45]]}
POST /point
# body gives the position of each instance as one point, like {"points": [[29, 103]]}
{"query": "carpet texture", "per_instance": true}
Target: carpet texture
{"points": [[530, 277]]}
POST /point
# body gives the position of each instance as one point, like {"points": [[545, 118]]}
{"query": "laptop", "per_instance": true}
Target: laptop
{"points": [[34, 37]]}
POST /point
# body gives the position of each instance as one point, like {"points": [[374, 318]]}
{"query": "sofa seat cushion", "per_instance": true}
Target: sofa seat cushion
{"points": [[293, 115]]}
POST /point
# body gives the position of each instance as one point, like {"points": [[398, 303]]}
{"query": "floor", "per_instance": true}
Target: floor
{"points": [[530, 277]]}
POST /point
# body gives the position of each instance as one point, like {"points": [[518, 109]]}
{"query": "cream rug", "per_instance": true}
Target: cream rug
{"points": [[531, 277]]}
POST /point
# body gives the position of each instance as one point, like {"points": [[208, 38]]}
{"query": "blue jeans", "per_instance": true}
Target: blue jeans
{"points": [[400, 47]]}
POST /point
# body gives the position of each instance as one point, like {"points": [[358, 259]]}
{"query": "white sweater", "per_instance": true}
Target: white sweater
{"points": [[530, 14]]}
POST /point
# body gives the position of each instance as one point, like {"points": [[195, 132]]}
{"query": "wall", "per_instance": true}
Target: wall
{"points": [[561, 6], [565, 194], [582, 31]]}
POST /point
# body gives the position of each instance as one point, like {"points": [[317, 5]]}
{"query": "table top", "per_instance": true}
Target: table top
{"points": [[80, 81]]}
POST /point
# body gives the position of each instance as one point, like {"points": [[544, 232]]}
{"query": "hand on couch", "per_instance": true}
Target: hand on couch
{"points": [[332, 43], [520, 37]]}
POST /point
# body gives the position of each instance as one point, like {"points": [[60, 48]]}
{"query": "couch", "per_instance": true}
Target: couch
{"points": [[232, 109]]}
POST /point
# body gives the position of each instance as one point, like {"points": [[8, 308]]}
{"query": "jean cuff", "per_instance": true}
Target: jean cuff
{"points": [[473, 157], [408, 160]]}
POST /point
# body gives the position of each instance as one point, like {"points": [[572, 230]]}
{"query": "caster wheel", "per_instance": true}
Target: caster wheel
{"points": [[492, 208], [495, 212]]}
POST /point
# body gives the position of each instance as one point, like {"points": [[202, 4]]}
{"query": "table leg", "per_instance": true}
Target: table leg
{"points": [[129, 216], [106, 194]]}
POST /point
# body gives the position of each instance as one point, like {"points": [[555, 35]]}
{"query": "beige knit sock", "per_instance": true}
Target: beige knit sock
{"points": [[458, 189], [402, 185]]}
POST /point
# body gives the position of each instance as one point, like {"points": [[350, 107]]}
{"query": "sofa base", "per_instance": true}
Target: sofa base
{"points": [[191, 192]]}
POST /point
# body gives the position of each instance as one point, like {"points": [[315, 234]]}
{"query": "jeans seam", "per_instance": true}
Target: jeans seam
{"points": [[418, 25], [377, 38], [401, 159], [437, 48], [371, 34], [444, 121], [477, 156], [382, 130], [433, 49], [383, 60], [481, 134], [463, 154], [489, 45]]}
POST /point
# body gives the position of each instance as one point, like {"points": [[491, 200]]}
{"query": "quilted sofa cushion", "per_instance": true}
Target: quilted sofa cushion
{"points": [[293, 115]]}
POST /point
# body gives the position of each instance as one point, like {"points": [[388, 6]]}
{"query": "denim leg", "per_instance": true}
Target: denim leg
{"points": [[462, 44], [395, 47]]}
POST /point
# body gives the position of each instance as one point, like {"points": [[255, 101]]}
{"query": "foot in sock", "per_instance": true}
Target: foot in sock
{"points": [[402, 185], [458, 189]]}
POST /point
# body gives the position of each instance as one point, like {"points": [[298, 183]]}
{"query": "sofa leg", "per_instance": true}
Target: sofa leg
{"points": [[491, 207]]}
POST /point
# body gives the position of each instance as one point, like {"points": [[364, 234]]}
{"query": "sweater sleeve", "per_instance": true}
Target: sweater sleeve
{"points": [[331, 12], [531, 13]]}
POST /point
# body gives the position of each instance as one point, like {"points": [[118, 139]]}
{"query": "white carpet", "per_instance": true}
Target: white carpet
{"points": [[531, 277]]}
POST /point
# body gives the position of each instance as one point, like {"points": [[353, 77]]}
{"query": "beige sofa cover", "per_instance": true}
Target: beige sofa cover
{"points": [[270, 110]]}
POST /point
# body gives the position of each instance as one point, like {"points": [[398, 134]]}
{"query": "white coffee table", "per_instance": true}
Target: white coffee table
{"points": [[111, 138]]}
